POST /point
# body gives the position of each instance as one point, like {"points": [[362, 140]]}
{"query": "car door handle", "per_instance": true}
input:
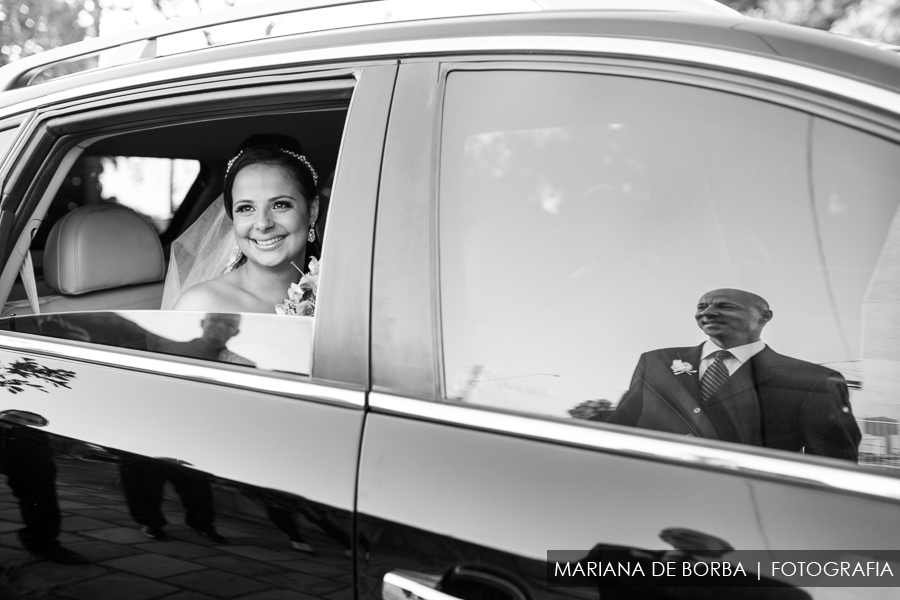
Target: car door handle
{"points": [[399, 587]]}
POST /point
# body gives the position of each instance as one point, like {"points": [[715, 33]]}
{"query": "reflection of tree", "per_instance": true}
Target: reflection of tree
{"points": [[873, 19], [819, 14], [593, 410], [15, 378]]}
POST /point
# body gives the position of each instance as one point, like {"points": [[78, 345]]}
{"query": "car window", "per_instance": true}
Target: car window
{"points": [[153, 187], [101, 267], [585, 218]]}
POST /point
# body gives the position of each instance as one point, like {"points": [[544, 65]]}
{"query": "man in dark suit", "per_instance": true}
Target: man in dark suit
{"points": [[735, 388]]}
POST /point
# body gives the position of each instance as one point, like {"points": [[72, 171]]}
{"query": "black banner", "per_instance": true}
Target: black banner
{"points": [[618, 567]]}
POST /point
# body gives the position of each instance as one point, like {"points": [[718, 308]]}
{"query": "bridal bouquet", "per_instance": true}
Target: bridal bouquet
{"points": [[301, 300]]}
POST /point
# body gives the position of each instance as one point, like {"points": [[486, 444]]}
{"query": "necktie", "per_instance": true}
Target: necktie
{"points": [[715, 375]]}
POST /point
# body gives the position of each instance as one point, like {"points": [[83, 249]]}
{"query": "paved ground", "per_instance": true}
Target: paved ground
{"points": [[124, 564]]}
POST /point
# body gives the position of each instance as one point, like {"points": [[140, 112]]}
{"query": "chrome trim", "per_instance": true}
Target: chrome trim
{"points": [[700, 453], [409, 587], [173, 366], [724, 60]]}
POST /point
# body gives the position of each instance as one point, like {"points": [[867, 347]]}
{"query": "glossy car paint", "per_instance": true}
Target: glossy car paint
{"points": [[498, 503], [200, 437]]}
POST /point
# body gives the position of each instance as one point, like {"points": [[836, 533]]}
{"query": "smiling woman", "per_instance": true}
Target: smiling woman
{"points": [[270, 196]]}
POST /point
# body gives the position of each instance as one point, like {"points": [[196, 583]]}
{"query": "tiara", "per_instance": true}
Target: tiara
{"points": [[299, 157]]}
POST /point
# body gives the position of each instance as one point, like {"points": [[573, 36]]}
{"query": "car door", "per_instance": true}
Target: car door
{"points": [[172, 476], [541, 224]]}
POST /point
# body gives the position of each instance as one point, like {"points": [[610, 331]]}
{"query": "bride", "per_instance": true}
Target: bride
{"points": [[270, 197]]}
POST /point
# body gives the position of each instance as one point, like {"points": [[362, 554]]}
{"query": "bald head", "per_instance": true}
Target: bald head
{"points": [[218, 328], [732, 317]]}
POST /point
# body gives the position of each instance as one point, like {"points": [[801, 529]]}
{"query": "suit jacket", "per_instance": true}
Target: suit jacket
{"points": [[772, 400]]}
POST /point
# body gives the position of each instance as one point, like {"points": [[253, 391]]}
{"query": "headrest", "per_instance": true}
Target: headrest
{"points": [[101, 246]]}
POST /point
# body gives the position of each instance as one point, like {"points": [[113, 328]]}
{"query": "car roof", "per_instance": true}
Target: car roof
{"points": [[692, 22], [141, 43]]}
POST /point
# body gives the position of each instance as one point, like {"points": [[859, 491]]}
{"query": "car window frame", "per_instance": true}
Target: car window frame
{"points": [[368, 86], [18, 124], [412, 272]]}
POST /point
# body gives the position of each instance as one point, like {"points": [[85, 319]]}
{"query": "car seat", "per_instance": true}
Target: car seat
{"points": [[100, 257]]}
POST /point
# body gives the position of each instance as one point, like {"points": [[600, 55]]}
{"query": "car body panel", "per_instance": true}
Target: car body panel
{"points": [[499, 503], [341, 353], [402, 320], [115, 436]]}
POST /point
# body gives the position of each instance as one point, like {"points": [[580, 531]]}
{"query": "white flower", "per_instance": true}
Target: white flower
{"points": [[679, 367], [301, 298]]}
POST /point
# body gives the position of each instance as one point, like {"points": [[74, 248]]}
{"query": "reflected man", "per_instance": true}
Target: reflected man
{"points": [[26, 459], [218, 328], [733, 387]]}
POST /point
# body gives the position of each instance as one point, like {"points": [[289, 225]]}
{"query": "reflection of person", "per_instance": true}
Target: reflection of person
{"points": [[281, 511], [26, 460], [735, 388], [143, 481], [217, 330], [270, 195]]}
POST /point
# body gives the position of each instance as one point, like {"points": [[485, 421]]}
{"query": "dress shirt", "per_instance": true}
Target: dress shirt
{"points": [[739, 355]]}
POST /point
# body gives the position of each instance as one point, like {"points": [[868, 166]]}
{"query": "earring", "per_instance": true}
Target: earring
{"points": [[311, 237]]}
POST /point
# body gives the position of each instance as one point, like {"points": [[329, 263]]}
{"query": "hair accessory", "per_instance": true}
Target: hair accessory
{"points": [[299, 157], [311, 236], [232, 161], [305, 162]]}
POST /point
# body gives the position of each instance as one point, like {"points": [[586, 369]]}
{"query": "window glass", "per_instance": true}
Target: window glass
{"points": [[250, 340], [153, 187], [856, 179], [583, 217]]}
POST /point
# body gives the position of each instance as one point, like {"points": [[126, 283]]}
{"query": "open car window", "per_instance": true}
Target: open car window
{"points": [[105, 226]]}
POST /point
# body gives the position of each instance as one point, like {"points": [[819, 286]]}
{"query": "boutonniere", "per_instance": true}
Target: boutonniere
{"points": [[679, 367]]}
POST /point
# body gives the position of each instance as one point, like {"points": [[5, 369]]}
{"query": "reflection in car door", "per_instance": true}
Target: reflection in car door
{"points": [[262, 466], [469, 500]]}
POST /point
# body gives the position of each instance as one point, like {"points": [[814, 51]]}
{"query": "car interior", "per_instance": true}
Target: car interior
{"points": [[99, 246]]}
